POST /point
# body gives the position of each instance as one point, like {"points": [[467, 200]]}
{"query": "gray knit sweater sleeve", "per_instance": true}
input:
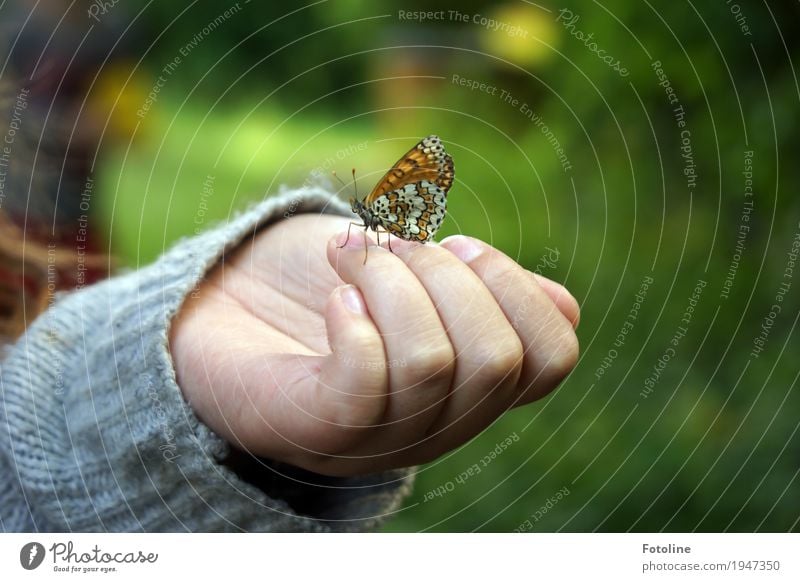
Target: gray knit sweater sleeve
{"points": [[96, 436]]}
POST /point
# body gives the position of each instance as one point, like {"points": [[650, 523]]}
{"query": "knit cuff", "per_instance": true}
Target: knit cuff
{"points": [[102, 439]]}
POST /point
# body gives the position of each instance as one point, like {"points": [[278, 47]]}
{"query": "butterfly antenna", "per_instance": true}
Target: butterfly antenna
{"points": [[355, 186], [335, 175]]}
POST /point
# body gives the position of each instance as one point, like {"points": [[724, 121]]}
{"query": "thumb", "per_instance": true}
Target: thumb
{"points": [[354, 375], [351, 390]]}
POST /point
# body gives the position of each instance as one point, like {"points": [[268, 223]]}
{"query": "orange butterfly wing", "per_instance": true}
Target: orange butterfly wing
{"points": [[425, 161]]}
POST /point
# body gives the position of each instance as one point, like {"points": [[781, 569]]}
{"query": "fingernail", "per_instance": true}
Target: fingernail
{"points": [[351, 297], [465, 248]]}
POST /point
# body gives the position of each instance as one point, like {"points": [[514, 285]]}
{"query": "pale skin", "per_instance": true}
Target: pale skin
{"points": [[297, 351]]}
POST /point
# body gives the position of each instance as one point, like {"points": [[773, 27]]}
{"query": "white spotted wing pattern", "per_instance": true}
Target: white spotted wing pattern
{"points": [[413, 212], [410, 201]]}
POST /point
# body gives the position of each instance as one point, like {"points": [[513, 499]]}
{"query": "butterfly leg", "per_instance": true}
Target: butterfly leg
{"points": [[388, 239], [366, 247], [349, 226]]}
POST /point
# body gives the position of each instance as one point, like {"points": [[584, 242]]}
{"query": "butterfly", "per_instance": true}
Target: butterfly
{"points": [[410, 201]]}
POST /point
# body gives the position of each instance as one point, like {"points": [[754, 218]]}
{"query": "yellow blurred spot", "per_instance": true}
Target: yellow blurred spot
{"points": [[519, 33], [115, 98]]}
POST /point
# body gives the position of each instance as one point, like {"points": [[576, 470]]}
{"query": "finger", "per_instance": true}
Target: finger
{"points": [[489, 353], [419, 357], [311, 406], [350, 390], [549, 341], [566, 303]]}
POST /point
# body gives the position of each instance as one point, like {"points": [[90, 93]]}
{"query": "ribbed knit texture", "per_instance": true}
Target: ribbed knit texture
{"points": [[95, 434]]}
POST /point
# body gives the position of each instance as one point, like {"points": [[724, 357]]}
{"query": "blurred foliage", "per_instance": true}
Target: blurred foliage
{"points": [[276, 90]]}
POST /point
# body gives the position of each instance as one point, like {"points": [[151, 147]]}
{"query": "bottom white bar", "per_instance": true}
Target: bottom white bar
{"points": [[389, 557]]}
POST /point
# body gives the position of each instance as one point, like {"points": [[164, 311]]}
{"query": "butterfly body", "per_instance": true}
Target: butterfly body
{"points": [[410, 201], [365, 214]]}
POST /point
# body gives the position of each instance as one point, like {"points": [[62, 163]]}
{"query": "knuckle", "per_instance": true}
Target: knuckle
{"points": [[433, 365], [498, 361], [352, 413]]}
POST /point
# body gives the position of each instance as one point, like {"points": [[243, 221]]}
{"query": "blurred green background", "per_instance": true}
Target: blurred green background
{"points": [[273, 91]]}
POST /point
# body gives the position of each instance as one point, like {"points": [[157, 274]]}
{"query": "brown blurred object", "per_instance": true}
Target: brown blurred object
{"points": [[55, 123], [411, 80], [31, 273]]}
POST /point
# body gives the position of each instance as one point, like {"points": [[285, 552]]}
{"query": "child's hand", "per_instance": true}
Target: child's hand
{"points": [[296, 351]]}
